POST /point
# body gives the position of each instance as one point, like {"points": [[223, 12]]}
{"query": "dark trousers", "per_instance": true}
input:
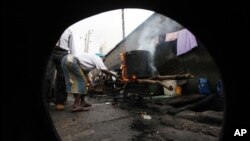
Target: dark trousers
{"points": [[56, 83]]}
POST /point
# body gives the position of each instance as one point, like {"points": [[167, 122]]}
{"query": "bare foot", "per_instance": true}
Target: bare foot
{"points": [[78, 109], [74, 106], [85, 104]]}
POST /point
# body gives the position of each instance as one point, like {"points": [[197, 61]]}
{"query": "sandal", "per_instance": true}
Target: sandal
{"points": [[59, 107]]}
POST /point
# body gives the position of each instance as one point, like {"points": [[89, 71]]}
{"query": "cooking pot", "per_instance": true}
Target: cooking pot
{"points": [[138, 63]]}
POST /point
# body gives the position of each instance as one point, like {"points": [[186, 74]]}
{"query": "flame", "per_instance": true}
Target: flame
{"points": [[134, 77], [123, 68]]}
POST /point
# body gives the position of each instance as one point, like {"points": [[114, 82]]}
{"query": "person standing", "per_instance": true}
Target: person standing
{"points": [[63, 47]]}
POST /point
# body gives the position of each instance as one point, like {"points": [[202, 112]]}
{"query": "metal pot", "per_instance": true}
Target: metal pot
{"points": [[138, 63]]}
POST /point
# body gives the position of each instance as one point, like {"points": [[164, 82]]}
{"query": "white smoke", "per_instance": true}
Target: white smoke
{"points": [[152, 30], [160, 25]]}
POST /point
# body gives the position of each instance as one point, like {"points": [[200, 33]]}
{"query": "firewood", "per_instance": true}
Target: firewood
{"points": [[154, 82], [172, 77], [158, 79]]}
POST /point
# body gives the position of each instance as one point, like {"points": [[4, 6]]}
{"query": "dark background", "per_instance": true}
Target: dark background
{"points": [[31, 28]]}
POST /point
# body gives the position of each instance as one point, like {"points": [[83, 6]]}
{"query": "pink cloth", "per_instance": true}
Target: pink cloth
{"points": [[185, 41], [171, 36]]}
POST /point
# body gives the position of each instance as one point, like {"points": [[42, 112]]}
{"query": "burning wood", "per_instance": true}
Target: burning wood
{"points": [[158, 79]]}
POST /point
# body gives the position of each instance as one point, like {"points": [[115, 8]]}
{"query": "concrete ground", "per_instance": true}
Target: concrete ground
{"points": [[125, 122]]}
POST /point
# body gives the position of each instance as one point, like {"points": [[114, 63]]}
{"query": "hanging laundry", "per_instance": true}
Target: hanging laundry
{"points": [[185, 41], [171, 36]]}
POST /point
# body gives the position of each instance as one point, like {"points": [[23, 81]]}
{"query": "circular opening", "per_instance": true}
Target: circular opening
{"points": [[167, 81]]}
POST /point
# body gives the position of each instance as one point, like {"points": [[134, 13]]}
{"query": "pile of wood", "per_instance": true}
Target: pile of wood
{"points": [[158, 79]]}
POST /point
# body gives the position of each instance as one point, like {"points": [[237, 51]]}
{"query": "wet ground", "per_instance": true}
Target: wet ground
{"points": [[134, 120]]}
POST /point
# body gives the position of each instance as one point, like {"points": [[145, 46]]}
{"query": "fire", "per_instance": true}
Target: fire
{"points": [[123, 68], [125, 77], [134, 77]]}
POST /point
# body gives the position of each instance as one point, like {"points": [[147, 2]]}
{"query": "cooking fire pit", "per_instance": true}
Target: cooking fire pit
{"points": [[139, 77]]}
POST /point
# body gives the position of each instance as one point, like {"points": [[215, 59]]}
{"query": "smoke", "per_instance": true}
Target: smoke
{"points": [[153, 31]]}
